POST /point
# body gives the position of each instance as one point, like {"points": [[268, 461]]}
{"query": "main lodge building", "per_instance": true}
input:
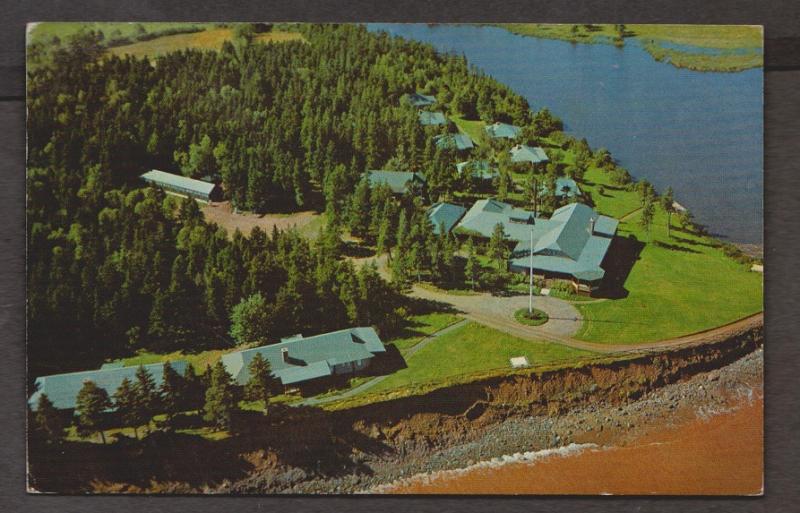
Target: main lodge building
{"points": [[569, 247]]}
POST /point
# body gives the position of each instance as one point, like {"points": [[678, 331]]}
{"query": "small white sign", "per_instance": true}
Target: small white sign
{"points": [[519, 362]]}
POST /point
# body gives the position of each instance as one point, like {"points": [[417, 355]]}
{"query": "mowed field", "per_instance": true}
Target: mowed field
{"points": [[680, 283], [211, 39]]}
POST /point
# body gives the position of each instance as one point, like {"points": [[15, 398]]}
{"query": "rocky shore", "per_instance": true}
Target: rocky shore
{"points": [[511, 437]]}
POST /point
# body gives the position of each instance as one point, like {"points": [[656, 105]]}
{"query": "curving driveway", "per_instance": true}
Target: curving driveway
{"points": [[498, 312]]}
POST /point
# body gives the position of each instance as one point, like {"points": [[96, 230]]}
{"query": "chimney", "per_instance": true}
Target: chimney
{"points": [[591, 225], [285, 354]]}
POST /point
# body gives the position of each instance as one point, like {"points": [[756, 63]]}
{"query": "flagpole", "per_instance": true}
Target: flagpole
{"points": [[530, 274]]}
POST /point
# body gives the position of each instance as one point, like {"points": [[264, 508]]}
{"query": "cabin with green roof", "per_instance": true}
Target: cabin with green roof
{"points": [[480, 169], [301, 362], [445, 216], [62, 389], [500, 130], [528, 154], [431, 118], [419, 100], [570, 246], [460, 142], [183, 185], [400, 182]]}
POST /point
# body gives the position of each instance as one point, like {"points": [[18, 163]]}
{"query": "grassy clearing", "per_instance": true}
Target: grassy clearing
{"points": [[616, 201], [679, 285], [471, 349], [419, 327], [727, 37], [44, 32], [597, 34], [211, 39], [474, 129], [199, 360]]}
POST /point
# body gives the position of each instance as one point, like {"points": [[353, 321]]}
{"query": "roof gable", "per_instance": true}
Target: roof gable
{"points": [[308, 357], [525, 153]]}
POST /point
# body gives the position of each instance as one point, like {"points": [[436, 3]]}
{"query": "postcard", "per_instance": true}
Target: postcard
{"points": [[268, 258]]}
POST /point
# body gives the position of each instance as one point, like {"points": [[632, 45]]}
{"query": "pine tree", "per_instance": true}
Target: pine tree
{"points": [[497, 245], [90, 407], [667, 203], [49, 421], [259, 386], [171, 391], [472, 266], [145, 396], [220, 399], [648, 212], [124, 402]]}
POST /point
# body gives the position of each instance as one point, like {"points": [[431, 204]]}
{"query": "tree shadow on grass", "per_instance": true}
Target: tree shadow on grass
{"points": [[674, 247]]}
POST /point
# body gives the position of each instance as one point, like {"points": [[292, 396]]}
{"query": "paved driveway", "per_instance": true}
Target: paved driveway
{"points": [[498, 312]]}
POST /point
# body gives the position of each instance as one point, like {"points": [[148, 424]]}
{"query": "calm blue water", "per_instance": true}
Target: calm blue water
{"points": [[701, 133]]}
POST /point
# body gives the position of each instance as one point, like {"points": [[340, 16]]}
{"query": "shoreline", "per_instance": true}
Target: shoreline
{"points": [[605, 432], [703, 456], [508, 436]]}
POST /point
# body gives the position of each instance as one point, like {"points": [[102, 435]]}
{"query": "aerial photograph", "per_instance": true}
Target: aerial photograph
{"points": [[384, 258]]}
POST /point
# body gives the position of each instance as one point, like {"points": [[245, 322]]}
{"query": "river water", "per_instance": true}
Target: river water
{"points": [[699, 132]]}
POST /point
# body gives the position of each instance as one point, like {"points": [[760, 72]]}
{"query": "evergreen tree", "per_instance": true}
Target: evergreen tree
{"points": [[497, 248], [472, 266], [220, 398], [49, 421], [90, 407], [145, 395], [648, 212], [124, 402], [259, 386], [668, 204], [171, 391]]}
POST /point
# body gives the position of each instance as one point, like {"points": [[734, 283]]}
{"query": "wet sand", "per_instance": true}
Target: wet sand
{"points": [[722, 455]]}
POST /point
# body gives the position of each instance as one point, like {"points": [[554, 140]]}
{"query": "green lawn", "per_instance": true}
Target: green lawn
{"points": [[474, 129], [419, 327], [672, 291], [198, 360], [471, 349], [615, 201]]}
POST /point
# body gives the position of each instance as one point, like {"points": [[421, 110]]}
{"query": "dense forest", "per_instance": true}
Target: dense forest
{"points": [[115, 267]]}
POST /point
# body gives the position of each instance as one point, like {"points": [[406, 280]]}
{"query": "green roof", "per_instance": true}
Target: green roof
{"points": [[502, 130], [457, 141], [525, 153], [308, 358], [431, 118], [396, 180], [574, 240], [179, 183], [62, 389], [445, 214], [482, 169], [419, 99]]}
